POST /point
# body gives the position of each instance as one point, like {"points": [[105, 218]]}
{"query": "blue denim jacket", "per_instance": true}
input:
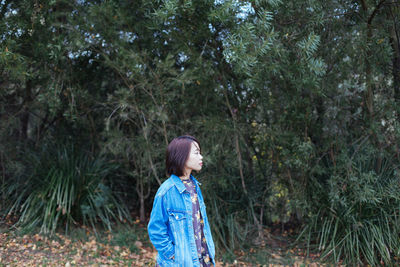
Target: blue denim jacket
{"points": [[171, 225]]}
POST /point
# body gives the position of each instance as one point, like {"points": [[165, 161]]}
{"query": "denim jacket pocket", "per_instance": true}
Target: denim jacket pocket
{"points": [[177, 219], [162, 262], [177, 214], [178, 223]]}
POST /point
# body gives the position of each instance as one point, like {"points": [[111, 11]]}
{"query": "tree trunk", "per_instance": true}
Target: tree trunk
{"points": [[141, 214], [139, 190], [368, 74], [25, 113], [3, 184], [395, 43], [369, 94], [142, 197]]}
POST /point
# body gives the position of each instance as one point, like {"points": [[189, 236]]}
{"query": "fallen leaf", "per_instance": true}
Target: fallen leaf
{"points": [[138, 244]]}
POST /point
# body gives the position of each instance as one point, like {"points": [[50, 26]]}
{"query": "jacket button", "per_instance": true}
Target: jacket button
{"points": [[176, 217]]}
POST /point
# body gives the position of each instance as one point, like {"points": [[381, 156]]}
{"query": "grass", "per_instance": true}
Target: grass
{"points": [[65, 187], [356, 220]]}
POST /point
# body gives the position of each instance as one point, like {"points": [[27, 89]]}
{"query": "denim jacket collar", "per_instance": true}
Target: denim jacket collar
{"points": [[179, 185]]}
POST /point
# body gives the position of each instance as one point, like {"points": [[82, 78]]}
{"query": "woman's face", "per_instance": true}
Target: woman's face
{"points": [[195, 159]]}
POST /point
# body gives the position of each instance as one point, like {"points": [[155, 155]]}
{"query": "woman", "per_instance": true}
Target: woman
{"points": [[178, 226]]}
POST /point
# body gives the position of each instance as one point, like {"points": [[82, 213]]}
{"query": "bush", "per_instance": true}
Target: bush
{"points": [[357, 219], [65, 186]]}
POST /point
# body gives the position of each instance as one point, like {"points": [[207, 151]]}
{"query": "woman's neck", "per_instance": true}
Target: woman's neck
{"points": [[186, 175]]}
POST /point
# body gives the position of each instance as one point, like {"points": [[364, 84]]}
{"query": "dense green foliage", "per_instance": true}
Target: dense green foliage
{"points": [[64, 187], [358, 219], [295, 104]]}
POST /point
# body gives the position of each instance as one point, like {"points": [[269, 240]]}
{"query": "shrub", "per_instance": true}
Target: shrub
{"points": [[357, 219], [65, 186]]}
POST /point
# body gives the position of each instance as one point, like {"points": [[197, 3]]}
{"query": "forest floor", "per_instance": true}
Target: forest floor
{"points": [[129, 246]]}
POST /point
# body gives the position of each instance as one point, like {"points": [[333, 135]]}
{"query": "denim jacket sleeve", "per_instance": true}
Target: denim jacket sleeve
{"points": [[158, 229]]}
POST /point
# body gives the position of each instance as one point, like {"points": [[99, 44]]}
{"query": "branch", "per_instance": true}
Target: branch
{"points": [[396, 31], [375, 11], [392, 3], [147, 141], [237, 146], [364, 5]]}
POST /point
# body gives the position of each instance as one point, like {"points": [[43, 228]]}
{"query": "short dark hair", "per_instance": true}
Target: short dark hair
{"points": [[177, 154]]}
